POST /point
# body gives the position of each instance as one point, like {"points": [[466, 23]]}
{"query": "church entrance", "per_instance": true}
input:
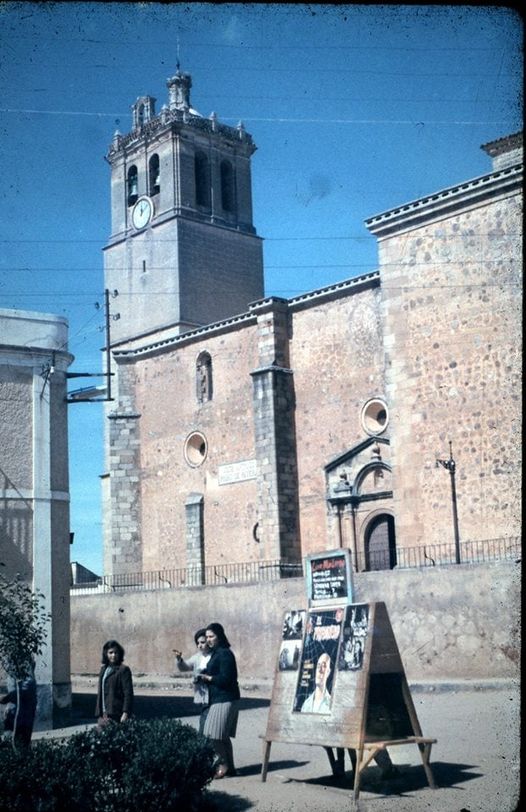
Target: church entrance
{"points": [[380, 543]]}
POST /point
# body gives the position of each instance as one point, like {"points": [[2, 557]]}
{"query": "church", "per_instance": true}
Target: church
{"points": [[381, 414]]}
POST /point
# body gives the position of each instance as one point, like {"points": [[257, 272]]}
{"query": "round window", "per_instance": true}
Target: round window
{"points": [[375, 416], [195, 449]]}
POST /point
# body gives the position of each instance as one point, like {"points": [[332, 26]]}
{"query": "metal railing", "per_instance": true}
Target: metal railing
{"points": [[244, 573], [434, 555], [429, 555]]}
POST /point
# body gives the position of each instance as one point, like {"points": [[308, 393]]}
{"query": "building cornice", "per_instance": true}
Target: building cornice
{"points": [[310, 299], [446, 202]]}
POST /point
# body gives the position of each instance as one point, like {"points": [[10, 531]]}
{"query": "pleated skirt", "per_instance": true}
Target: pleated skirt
{"points": [[221, 720]]}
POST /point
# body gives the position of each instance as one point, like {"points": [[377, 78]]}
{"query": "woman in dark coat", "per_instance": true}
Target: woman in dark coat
{"points": [[115, 691], [223, 690]]}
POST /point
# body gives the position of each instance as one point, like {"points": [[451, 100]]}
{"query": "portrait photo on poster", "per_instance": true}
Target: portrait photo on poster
{"points": [[291, 636], [293, 622], [318, 661], [354, 637], [289, 655]]}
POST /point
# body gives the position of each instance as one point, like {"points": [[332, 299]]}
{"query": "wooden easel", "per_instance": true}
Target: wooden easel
{"points": [[372, 708]]}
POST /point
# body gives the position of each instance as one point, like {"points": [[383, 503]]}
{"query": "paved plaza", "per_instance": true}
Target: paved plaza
{"points": [[475, 761]]}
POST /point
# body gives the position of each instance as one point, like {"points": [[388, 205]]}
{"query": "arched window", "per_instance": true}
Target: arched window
{"points": [[202, 180], [133, 185], [140, 115], [154, 175], [204, 389], [380, 543], [227, 186]]}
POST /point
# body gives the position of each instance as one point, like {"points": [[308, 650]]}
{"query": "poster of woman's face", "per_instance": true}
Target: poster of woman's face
{"points": [[354, 637], [318, 661]]}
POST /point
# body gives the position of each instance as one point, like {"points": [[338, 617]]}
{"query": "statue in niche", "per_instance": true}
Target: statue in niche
{"points": [[204, 378]]}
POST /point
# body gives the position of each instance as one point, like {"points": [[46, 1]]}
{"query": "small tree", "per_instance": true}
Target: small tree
{"points": [[23, 632], [23, 622]]}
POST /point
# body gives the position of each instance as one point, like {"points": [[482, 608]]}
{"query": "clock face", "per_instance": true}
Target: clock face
{"points": [[142, 212]]}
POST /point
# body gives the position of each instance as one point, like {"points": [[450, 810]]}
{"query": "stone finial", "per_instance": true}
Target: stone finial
{"points": [[179, 91], [143, 110]]}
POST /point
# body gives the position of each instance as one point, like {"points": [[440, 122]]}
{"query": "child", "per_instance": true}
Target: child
{"points": [[197, 663]]}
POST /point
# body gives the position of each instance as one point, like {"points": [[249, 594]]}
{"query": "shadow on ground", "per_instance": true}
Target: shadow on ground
{"points": [[149, 707], [412, 778]]}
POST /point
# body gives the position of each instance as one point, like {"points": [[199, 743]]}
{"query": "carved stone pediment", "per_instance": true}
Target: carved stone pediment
{"points": [[363, 472]]}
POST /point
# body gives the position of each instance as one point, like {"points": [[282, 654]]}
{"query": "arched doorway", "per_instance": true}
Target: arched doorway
{"points": [[380, 543]]}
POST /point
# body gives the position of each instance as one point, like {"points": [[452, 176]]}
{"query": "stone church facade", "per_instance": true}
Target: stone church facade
{"points": [[247, 428]]}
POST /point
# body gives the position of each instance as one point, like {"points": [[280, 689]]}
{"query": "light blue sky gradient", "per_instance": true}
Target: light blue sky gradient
{"points": [[355, 110]]}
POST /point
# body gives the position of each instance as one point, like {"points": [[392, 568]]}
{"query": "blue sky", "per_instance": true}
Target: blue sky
{"points": [[355, 110]]}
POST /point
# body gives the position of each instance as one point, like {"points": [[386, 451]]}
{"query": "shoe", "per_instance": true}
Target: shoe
{"points": [[221, 771]]}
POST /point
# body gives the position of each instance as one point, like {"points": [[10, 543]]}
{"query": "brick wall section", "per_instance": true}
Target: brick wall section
{"points": [[125, 553], [170, 412], [195, 550], [337, 356], [275, 435], [451, 306]]}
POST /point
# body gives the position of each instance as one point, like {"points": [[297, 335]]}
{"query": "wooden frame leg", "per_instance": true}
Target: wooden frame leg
{"points": [[425, 752], [361, 764], [266, 756], [336, 762]]}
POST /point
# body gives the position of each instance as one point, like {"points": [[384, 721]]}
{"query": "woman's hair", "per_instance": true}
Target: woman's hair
{"points": [[112, 644], [220, 633], [199, 633]]}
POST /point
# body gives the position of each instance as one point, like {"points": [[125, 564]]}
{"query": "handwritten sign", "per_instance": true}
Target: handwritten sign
{"points": [[329, 577]]}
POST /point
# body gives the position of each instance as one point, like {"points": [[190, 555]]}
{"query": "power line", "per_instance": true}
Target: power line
{"points": [[277, 120]]}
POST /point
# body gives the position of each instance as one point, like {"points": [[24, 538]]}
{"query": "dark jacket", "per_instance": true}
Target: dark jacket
{"points": [[118, 692], [27, 688], [223, 670]]}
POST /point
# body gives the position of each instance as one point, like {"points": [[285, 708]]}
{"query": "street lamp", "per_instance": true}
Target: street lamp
{"points": [[450, 466]]}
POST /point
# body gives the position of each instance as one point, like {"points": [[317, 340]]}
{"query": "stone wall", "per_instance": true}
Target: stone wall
{"points": [[451, 622], [452, 301]]}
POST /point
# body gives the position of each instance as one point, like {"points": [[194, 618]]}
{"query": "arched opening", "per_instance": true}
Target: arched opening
{"points": [[154, 177], [380, 543], [133, 185], [227, 186], [202, 180]]}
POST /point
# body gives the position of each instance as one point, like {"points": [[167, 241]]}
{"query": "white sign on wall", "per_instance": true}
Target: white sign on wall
{"points": [[236, 472]]}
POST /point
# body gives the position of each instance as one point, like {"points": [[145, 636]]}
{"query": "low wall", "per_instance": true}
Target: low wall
{"points": [[451, 622]]}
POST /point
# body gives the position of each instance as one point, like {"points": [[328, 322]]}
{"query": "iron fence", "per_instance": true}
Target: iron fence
{"points": [[429, 555]]}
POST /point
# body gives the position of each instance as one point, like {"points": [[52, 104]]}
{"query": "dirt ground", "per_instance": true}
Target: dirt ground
{"points": [[475, 763]]}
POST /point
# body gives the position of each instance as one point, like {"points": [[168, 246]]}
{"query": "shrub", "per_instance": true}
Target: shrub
{"points": [[157, 765]]}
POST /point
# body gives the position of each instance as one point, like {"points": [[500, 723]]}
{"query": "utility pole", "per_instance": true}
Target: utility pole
{"points": [[450, 466], [88, 394], [109, 318]]}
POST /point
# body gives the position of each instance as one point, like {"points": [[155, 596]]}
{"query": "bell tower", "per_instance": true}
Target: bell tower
{"points": [[183, 251]]}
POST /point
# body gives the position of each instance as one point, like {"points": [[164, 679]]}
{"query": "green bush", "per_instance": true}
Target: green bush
{"points": [[139, 765]]}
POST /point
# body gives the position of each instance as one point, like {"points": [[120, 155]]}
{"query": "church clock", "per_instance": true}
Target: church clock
{"points": [[142, 212]]}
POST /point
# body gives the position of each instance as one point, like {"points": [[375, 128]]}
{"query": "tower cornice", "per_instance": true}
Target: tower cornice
{"points": [[177, 121]]}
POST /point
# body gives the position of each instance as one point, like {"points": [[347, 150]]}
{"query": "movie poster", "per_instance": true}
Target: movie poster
{"points": [[292, 633], [318, 661], [355, 629]]}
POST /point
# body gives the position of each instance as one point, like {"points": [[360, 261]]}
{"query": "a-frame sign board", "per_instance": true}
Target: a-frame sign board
{"points": [[342, 684]]}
